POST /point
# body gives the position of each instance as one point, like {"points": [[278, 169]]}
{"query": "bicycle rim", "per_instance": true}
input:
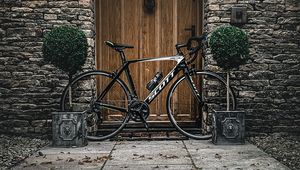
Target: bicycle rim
{"points": [[81, 95], [187, 114]]}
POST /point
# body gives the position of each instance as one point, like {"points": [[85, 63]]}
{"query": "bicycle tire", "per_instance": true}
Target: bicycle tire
{"points": [[84, 90], [179, 97]]}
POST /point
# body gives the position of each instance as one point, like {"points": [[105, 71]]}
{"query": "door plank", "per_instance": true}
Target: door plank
{"points": [[153, 35]]}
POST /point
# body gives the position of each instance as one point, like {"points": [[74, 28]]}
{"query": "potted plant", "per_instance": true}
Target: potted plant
{"points": [[230, 48], [66, 48]]}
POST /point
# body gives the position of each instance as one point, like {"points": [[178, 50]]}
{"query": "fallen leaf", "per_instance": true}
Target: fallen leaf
{"points": [[87, 157], [168, 156], [32, 164], [80, 163], [156, 166], [70, 159], [58, 159], [87, 161], [135, 154], [102, 158], [218, 156], [46, 163]]}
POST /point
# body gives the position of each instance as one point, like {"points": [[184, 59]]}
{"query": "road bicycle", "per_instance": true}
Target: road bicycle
{"points": [[112, 103]]}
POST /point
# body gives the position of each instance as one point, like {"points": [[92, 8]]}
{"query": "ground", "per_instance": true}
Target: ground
{"points": [[286, 149], [14, 149]]}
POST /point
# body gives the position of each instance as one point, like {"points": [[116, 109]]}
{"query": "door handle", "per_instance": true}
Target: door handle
{"points": [[192, 29]]}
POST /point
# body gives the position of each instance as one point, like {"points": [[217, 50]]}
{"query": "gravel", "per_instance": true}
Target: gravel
{"points": [[284, 148], [14, 149]]}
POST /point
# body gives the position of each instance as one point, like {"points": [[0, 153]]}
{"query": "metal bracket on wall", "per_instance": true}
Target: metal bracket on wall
{"points": [[238, 15]]}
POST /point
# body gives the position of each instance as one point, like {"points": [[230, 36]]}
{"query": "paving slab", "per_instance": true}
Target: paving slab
{"points": [[151, 153], [206, 155], [149, 167], [92, 156], [136, 155]]}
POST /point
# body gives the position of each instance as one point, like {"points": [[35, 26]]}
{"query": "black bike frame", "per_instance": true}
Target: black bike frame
{"points": [[181, 65]]}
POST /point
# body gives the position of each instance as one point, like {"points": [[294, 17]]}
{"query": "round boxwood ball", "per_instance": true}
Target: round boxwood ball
{"points": [[66, 48], [229, 46]]}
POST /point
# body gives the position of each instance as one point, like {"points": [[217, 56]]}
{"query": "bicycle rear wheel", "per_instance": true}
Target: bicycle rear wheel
{"points": [[103, 119], [190, 117]]}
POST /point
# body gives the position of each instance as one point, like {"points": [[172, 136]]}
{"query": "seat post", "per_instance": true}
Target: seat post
{"points": [[122, 54]]}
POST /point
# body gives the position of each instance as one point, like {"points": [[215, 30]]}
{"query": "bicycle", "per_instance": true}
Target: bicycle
{"points": [[111, 104]]}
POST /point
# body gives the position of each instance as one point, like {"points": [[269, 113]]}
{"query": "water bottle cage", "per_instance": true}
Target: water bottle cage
{"points": [[154, 81]]}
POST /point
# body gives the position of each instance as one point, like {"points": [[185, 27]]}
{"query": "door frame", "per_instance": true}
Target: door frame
{"points": [[98, 40]]}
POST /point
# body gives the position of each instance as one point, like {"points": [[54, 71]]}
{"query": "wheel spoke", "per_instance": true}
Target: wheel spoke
{"points": [[112, 109], [183, 106]]}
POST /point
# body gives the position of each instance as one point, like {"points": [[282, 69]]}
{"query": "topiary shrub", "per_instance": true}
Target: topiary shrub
{"points": [[229, 46], [66, 48]]}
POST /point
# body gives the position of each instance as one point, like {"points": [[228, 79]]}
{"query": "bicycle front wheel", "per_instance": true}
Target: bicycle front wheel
{"points": [[105, 116], [191, 117]]}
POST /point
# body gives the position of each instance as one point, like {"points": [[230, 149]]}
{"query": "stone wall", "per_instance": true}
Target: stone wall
{"points": [[268, 86], [30, 88]]}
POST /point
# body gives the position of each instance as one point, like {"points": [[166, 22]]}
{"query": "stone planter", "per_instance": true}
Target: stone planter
{"points": [[69, 129], [228, 127]]}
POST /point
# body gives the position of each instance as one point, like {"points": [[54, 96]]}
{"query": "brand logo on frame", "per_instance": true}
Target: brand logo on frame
{"points": [[160, 86]]}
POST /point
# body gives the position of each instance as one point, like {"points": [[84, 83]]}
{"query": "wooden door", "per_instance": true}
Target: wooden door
{"points": [[153, 34]]}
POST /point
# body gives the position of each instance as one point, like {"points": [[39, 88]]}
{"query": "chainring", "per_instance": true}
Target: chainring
{"points": [[137, 108]]}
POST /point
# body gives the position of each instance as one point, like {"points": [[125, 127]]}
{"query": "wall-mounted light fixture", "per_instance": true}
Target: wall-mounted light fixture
{"points": [[149, 6], [238, 15]]}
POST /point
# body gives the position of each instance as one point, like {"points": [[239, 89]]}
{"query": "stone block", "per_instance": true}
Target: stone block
{"points": [[14, 123], [67, 17], [20, 32], [34, 4], [62, 4], [85, 3], [247, 94], [38, 123], [50, 16], [261, 75], [21, 9], [214, 7]]}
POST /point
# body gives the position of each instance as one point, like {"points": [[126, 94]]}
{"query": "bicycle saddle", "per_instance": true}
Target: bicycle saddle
{"points": [[117, 46]]}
